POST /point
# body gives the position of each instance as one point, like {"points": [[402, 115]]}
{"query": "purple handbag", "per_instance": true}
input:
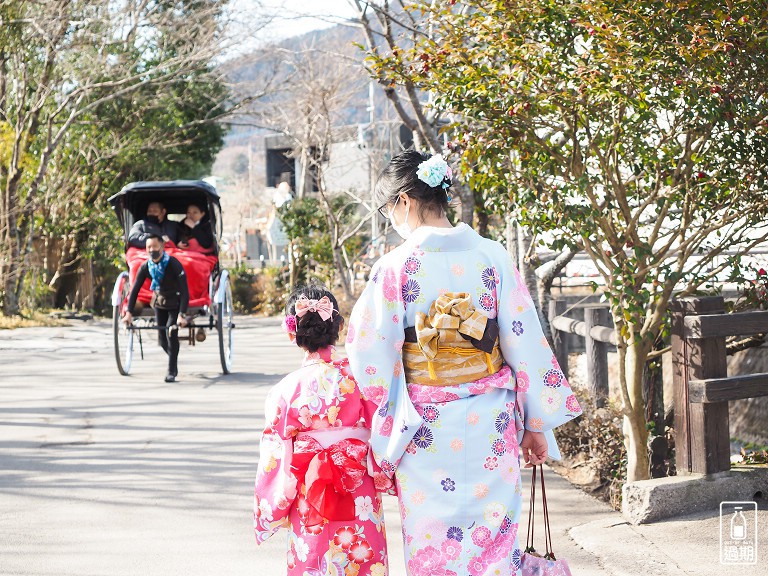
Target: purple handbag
{"points": [[532, 563]]}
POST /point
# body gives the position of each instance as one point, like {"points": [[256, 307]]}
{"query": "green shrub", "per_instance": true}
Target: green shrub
{"points": [[258, 291]]}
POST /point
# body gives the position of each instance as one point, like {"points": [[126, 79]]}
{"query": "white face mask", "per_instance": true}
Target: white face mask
{"points": [[404, 229]]}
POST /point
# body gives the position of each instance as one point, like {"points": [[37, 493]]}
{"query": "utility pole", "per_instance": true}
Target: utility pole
{"points": [[371, 174]]}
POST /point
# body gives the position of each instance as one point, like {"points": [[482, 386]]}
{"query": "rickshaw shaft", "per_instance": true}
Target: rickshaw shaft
{"points": [[210, 326]]}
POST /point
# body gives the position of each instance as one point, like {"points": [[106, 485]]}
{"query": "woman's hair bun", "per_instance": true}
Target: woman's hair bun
{"points": [[421, 176]]}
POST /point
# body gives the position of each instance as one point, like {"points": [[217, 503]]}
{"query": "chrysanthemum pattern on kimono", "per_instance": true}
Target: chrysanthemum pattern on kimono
{"points": [[320, 398], [454, 450]]}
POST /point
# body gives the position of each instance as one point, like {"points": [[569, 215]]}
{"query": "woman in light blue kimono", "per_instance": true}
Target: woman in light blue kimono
{"points": [[446, 340]]}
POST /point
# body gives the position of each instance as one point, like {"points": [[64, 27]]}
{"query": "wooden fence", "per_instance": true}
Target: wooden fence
{"points": [[597, 334], [702, 388], [701, 383]]}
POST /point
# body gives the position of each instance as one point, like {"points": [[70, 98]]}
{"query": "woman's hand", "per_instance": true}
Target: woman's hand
{"points": [[534, 448]]}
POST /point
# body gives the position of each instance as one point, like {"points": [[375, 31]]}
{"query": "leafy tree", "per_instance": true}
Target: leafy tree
{"points": [[62, 63], [310, 114], [311, 249], [154, 135], [634, 130], [391, 30]]}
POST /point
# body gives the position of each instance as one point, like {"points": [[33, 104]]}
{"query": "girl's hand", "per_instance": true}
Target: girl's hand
{"points": [[534, 448]]}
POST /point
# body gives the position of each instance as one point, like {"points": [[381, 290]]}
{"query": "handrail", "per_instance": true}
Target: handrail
{"points": [[723, 325], [712, 390], [597, 336], [599, 333]]}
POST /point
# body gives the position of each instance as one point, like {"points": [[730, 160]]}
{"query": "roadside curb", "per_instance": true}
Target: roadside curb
{"points": [[648, 501], [622, 551]]}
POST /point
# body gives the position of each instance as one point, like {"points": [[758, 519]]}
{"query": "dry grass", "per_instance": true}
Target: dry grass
{"points": [[30, 320], [593, 451]]}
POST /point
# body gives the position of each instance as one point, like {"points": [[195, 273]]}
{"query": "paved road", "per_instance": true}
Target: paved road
{"points": [[102, 474]]}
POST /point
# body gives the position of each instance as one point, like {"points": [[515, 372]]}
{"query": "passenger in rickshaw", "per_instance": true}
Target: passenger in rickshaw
{"points": [[195, 232], [170, 298], [155, 223]]}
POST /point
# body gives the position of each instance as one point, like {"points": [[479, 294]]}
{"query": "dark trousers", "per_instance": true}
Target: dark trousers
{"points": [[169, 339]]}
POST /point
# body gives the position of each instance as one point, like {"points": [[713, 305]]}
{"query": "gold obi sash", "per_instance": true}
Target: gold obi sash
{"points": [[441, 355]]}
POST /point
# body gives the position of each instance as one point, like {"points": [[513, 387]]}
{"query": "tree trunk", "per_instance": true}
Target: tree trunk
{"points": [[635, 430], [528, 272], [301, 181], [483, 220], [338, 260], [482, 213], [653, 395], [467, 205], [12, 270], [68, 271], [510, 241], [67, 284], [545, 277], [293, 267], [544, 294]]}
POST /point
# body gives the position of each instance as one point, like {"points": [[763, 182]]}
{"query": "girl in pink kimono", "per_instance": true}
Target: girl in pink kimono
{"points": [[315, 474]]}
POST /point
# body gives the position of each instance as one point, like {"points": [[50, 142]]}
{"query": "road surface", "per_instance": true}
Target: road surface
{"points": [[102, 474]]}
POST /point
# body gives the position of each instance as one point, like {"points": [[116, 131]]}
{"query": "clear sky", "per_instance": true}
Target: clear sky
{"points": [[263, 21]]}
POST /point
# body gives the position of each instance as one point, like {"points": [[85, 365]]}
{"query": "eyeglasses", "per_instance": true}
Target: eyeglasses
{"points": [[383, 211]]}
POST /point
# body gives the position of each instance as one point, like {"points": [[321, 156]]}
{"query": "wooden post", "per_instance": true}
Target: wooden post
{"points": [[702, 443], [597, 356], [559, 339]]}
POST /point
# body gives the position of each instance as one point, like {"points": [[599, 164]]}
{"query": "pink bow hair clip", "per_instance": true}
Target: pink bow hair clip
{"points": [[323, 307]]}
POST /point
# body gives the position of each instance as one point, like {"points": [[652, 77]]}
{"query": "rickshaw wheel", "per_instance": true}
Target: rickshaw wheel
{"points": [[224, 323], [123, 336]]}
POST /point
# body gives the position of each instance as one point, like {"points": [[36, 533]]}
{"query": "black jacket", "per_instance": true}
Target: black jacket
{"points": [[141, 230], [173, 287], [202, 233]]}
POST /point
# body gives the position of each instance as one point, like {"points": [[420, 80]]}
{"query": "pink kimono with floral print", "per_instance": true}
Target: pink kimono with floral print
{"points": [[317, 426]]}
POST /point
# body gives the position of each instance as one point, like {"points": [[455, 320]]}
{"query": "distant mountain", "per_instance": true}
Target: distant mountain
{"points": [[242, 169], [267, 68]]}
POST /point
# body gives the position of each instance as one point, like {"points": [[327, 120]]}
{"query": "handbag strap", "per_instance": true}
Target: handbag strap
{"points": [[548, 535], [531, 506], [549, 554]]}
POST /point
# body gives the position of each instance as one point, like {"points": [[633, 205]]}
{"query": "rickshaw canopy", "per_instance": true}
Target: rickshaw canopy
{"points": [[130, 204]]}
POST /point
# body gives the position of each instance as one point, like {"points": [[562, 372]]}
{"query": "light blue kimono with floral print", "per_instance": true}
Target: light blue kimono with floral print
{"points": [[454, 450]]}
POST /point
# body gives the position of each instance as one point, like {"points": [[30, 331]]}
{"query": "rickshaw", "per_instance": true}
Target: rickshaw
{"points": [[210, 294]]}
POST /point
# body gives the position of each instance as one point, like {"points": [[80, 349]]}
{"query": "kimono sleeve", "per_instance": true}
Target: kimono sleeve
{"points": [[374, 346], [544, 395], [275, 488], [382, 482]]}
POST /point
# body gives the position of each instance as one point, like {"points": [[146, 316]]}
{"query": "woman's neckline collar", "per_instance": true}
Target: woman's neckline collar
{"points": [[458, 238]]}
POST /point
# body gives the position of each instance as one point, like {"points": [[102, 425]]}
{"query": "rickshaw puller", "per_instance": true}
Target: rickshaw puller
{"points": [[169, 301]]}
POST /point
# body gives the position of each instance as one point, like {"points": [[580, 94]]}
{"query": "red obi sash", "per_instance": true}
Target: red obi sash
{"points": [[331, 475]]}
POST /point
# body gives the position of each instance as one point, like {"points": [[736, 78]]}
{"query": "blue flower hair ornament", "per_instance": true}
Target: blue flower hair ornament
{"points": [[435, 172]]}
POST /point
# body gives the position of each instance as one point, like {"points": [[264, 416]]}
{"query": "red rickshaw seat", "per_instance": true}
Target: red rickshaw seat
{"points": [[198, 267]]}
